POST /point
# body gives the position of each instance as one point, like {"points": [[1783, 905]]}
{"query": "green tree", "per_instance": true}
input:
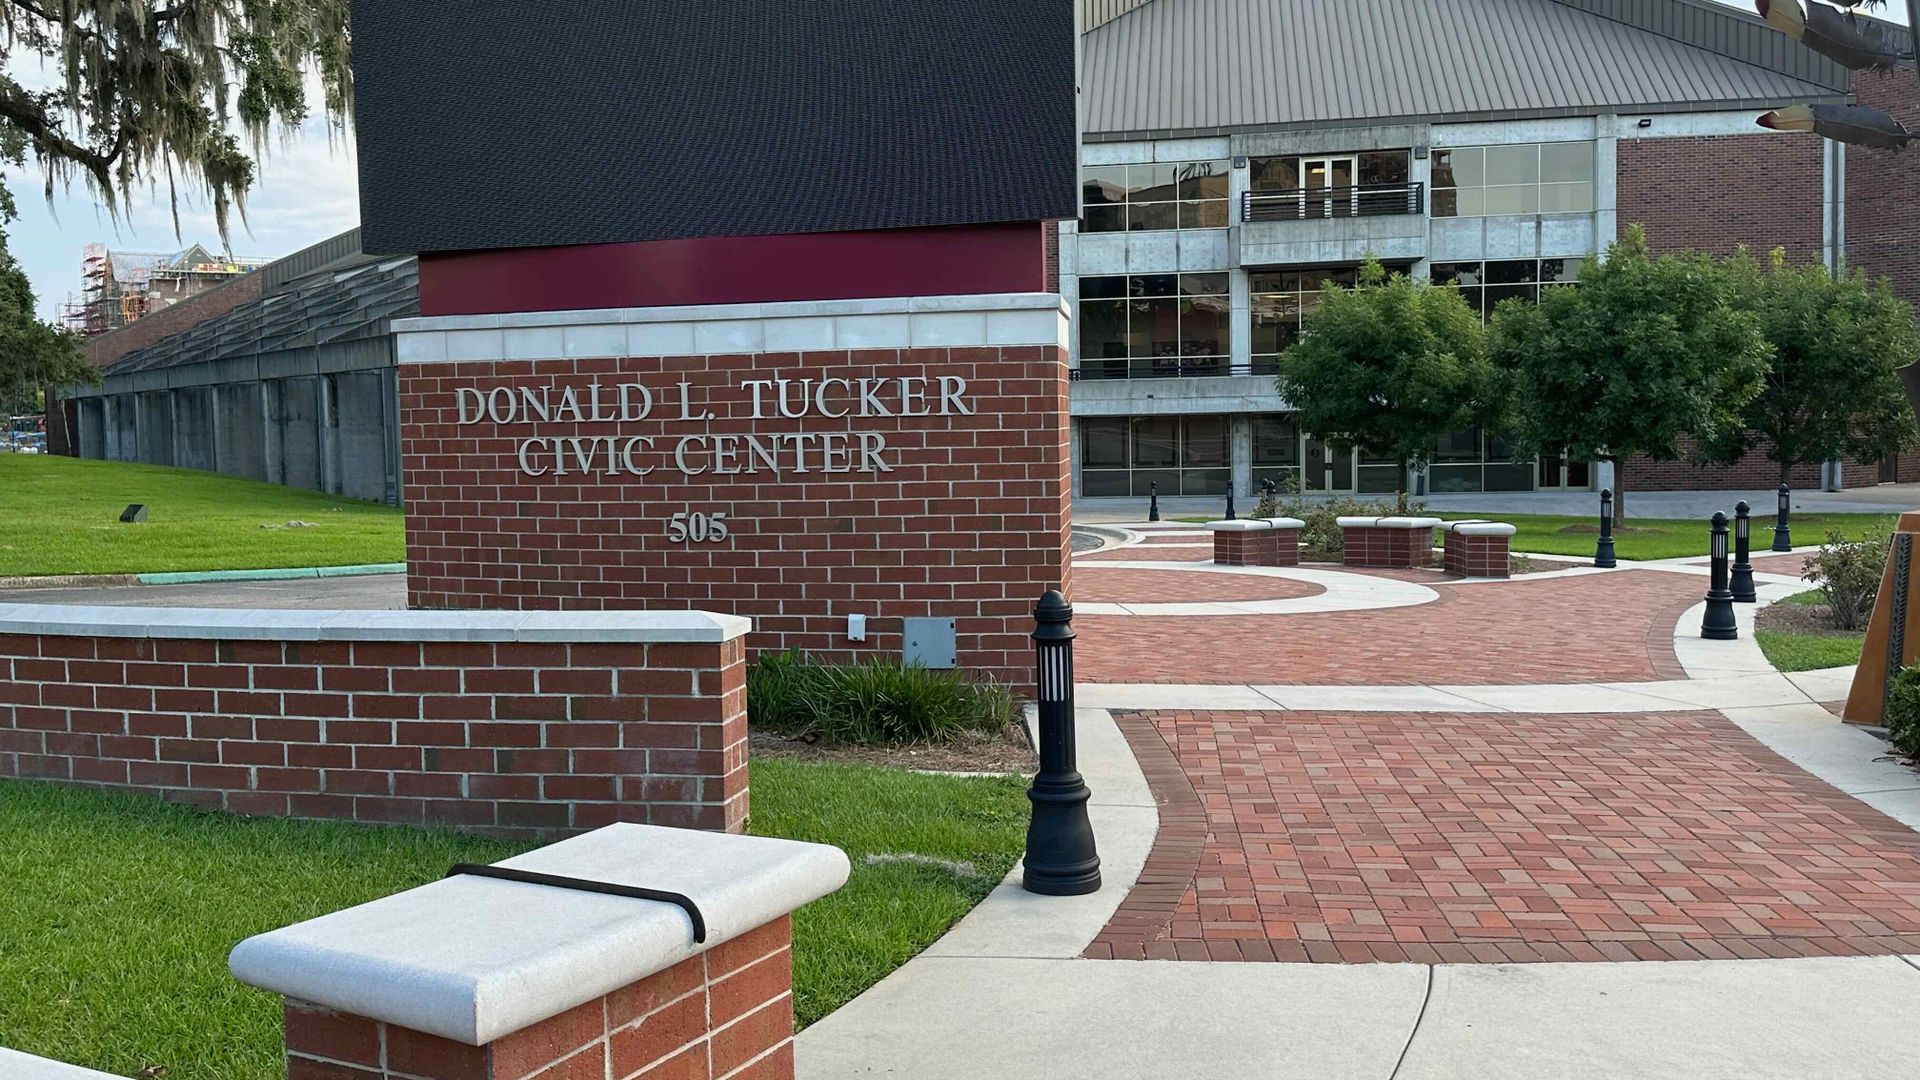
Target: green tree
{"points": [[33, 354], [150, 90], [1390, 365], [1642, 353], [1834, 344]]}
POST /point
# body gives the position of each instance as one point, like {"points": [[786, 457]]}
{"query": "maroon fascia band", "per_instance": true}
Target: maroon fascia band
{"points": [[958, 260]]}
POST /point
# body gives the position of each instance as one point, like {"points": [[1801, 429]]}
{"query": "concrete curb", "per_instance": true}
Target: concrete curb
{"points": [[195, 577]]}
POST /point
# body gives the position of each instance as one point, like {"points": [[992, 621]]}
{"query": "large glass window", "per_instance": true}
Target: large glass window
{"points": [[1528, 178], [1279, 301], [1340, 185], [1472, 460], [1485, 284], [1162, 195], [1176, 455], [1154, 326]]}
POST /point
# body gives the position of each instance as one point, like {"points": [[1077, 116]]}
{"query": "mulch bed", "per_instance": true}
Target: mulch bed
{"points": [[1799, 619], [1006, 752]]}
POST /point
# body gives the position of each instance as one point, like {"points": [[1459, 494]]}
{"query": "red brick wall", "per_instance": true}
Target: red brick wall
{"points": [[1716, 192], [726, 1014], [512, 738], [168, 321], [970, 523], [720, 1015], [1883, 192]]}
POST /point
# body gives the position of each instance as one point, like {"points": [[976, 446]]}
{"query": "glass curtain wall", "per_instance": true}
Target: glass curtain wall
{"points": [[1184, 455], [1161, 195], [1154, 326]]}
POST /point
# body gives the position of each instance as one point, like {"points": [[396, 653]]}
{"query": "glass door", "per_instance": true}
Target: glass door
{"points": [[1326, 187], [1557, 471], [1328, 469]]}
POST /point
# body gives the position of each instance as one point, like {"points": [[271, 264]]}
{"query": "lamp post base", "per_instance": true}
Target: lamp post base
{"points": [[1603, 554], [1782, 539], [1061, 858], [1719, 623], [1742, 584]]}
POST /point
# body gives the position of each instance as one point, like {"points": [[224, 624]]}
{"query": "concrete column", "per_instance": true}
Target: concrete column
{"points": [[1606, 177], [273, 466], [1240, 323], [1073, 454], [1240, 451], [217, 421], [324, 391]]}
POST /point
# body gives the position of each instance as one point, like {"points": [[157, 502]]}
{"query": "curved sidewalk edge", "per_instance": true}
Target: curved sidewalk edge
{"points": [[197, 577]]}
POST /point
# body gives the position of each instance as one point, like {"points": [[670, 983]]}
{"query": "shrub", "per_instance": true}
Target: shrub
{"points": [[1320, 536], [1849, 572], [1903, 711], [873, 703]]}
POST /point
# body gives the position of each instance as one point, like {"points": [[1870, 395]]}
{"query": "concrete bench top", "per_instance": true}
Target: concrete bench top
{"points": [[473, 958], [15, 1065], [1481, 528], [236, 624], [1252, 524], [1388, 522]]}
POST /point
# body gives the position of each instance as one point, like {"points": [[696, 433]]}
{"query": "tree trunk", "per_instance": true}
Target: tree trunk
{"points": [[1619, 492], [1406, 481], [1786, 468]]}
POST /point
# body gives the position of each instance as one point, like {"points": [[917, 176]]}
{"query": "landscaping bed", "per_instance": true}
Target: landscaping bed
{"points": [[120, 911], [1796, 635], [61, 516]]}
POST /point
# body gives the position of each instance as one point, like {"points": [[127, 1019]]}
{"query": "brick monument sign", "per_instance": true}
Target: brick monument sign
{"points": [[790, 384]]}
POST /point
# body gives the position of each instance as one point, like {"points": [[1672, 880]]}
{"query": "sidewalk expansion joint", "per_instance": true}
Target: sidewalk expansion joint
{"points": [[1425, 999]]}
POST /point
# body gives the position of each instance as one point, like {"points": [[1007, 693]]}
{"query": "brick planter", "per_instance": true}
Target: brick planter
{"points": [[1389, 542], [1257, 541], [1480, 549], [534, 723], [473, 978]]}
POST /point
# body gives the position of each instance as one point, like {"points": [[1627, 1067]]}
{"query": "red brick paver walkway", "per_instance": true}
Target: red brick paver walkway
{"points": [[1169, 552], [1122, 585], [1594, 628], [1351, 837]]}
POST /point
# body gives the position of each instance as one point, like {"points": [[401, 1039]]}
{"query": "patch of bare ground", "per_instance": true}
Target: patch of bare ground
{"points": [[1003, 752]]}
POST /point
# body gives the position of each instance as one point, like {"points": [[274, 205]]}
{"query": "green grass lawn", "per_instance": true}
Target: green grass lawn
{"points": [[62, 516], [1664, 538], [119, 911], [1809, 652]]}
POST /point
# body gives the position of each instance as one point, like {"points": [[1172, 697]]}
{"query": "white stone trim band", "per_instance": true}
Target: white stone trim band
{"points": [[990, 320], [1481, 528], [236, 624], [1252, 524], [474, 959], [15, 1065], [1388, 522]]}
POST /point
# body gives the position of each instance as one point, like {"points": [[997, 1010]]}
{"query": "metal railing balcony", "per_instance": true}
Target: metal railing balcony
{"points": [[1308, 204]]}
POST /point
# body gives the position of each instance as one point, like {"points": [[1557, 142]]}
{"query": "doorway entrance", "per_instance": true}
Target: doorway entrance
{"points": [[1328, 468], [1327, 187], [1557, 473]]}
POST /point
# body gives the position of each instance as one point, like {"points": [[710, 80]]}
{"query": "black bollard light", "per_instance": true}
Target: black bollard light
{"points": [[1229, 500], [1782, 537], [1742, 582], [1718, 624], [1061, 859], [1153, 500], [1603, 551]]}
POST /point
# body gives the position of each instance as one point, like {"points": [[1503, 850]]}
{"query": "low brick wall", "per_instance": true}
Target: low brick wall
{"points": [[1479, 549], [1257, 542], [518, 724], [1392, 542]]}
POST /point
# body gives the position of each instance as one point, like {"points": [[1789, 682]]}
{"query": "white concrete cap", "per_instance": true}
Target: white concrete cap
{"points": [[236, 624], [1357, 522], [1286, 523], [15, 1065], [1482, 528], [1408, 523], [473, 959], [1240, 525]]}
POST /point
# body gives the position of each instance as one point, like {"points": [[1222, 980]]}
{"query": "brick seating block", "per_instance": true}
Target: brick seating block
{"points": [[1388, 542], [1479, 549], [1257, 541]]}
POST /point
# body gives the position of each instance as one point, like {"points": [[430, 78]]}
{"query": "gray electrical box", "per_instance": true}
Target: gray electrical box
{"points": [[928, 642]]}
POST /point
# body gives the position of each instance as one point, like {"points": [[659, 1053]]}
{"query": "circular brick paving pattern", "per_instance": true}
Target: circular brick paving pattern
{"points": [[1121, 585], [1591, 628], [1347, 837]]}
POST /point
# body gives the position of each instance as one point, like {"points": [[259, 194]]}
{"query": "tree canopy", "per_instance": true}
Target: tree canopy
{"points": [[1834, 344], [144, 91], [33, 354], [1641, 354], [1390, 365]]}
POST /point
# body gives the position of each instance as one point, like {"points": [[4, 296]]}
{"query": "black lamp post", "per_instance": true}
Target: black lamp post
{"points": [[1603, 551], [1229, 500], [1719, 624], [1742, 585], [1782, 538], [1061, 859], [1153, 500]]}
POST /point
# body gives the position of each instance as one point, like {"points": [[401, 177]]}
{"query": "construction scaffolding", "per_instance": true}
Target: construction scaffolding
{"points": [[120, 287]]}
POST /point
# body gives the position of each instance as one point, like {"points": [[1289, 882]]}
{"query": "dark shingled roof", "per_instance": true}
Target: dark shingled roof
{"points": [[486, 124]]}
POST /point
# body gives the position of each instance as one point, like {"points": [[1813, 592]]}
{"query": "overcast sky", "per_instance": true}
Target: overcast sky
{"points": [[305, 192]]}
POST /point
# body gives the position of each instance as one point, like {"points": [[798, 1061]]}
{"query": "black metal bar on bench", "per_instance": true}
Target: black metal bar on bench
{"points": [[636, 892]]}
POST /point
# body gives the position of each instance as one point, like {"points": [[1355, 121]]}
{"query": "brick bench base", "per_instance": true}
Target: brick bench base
{"points": [[1390, 542], [1479, 549], [1257, 542]]}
